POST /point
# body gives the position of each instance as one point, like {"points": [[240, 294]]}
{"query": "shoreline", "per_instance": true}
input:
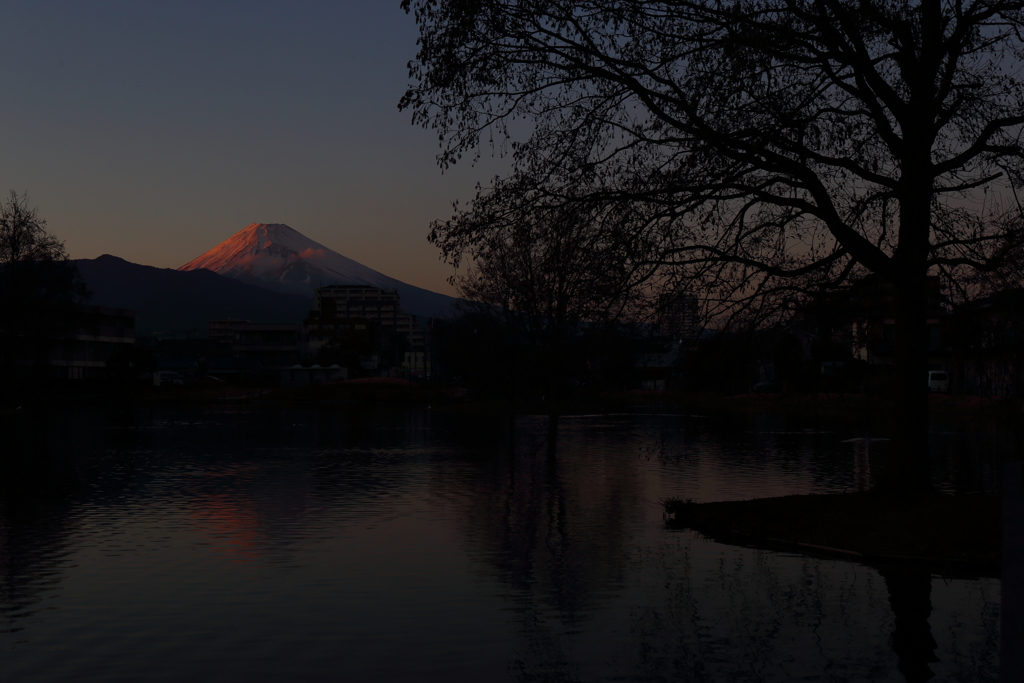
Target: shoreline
{"points": [[949, 535], [855, 406]]}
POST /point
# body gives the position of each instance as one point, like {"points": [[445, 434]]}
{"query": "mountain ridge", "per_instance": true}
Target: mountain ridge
{"points": [[167, 301], [279, 258]]}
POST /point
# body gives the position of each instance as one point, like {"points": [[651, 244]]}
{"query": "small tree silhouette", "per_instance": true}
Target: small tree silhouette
{"points": [[39, 291]]}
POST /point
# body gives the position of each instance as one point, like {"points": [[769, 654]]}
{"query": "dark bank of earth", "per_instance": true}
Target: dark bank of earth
{"points": [[948, 534]]}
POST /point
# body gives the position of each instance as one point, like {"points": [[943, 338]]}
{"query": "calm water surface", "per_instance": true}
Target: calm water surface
{"points": [[335, 544]]}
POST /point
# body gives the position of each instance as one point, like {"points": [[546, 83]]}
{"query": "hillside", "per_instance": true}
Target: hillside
{"points": [[167, 301]]}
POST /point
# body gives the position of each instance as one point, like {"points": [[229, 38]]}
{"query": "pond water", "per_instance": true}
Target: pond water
{"points": [[333, 543]]}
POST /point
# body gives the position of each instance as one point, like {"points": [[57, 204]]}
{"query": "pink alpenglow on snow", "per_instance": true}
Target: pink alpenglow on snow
{"points": [[276, 253], [278, 257]]}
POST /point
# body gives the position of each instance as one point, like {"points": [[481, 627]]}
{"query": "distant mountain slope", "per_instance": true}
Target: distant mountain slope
{"points": [[280, 258], [167, 300]]}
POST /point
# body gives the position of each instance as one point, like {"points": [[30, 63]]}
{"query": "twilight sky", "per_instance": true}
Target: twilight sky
{"points": [[154, 131]]}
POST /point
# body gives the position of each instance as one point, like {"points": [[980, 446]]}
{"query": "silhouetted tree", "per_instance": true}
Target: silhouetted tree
{"points": [[777, 146], [555, 274], [788, 358], [39, 290], [476, 350]]}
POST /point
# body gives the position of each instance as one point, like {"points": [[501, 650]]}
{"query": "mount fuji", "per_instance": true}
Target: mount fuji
{"points": [[277, 257]]}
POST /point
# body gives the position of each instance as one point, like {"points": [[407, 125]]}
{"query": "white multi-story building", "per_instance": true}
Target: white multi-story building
{"points": [[352, 313]]}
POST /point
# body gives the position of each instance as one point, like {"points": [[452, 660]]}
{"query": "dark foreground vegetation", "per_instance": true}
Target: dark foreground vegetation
{"points": [[946, 534], [857, 407]]}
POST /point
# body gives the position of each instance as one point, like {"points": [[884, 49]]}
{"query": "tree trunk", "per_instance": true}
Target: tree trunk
{"points": [[907, 466], [907, 462]]}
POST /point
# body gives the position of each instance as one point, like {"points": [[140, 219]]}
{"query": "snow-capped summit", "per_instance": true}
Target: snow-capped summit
{"points": [[278, 257]]}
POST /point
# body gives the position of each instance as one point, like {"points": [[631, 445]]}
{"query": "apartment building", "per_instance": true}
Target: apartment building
{"points": [[100, 333], [369, 322]]}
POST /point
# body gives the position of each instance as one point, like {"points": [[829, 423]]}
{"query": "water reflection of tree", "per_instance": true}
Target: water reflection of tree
{"points": [[551, 517], [912, 640], [743, 615]]}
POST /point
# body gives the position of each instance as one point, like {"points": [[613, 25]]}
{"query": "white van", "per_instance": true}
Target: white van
{"points": [[938, 380]]}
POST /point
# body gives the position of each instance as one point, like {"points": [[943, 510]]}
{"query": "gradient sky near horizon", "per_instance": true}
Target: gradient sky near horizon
{"points": [[154, 131]]}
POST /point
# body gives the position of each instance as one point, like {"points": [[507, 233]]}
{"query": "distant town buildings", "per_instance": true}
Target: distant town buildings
{"points": [[224, 331], [99, 335], [679, 316], [986, 339], [839, 341], [367, 322], [353, 331], [268, 345], [337, 303], [867, 321]]}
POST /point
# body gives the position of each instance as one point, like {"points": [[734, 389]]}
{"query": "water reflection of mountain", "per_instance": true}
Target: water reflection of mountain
{"points": [[251, 484], [265, 481]]}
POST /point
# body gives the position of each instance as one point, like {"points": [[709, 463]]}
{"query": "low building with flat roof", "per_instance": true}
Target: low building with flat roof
{"points": [[99, 333]]}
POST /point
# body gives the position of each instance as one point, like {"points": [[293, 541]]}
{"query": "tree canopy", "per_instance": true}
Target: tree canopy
{"points": [[776, 146], [554, 265], [39, 287], [559, 277], [782, 140]]}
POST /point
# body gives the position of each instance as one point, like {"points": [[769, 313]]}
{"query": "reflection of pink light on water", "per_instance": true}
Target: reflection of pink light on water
{"points": [[229, 528]]}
